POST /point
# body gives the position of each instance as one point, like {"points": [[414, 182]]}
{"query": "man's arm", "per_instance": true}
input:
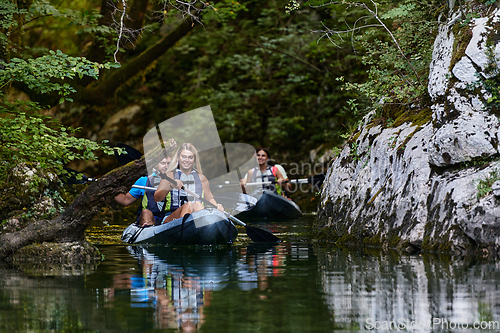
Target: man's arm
{"points": [[131, 196], [125, 199]]}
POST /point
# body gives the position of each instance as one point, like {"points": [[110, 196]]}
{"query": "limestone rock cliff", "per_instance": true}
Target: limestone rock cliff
{"points": [[415, 186]]}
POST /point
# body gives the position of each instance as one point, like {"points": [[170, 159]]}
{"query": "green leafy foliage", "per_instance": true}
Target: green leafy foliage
{"points": [[492, 85], [394, 41], [267, 68], [40, 16], [395, 77], [336, 151], [469, 17], [489, 2], [35, 147], [38, 73], [223, 11], [269, 81], [484, 185], [39, 142], [291, 6]]}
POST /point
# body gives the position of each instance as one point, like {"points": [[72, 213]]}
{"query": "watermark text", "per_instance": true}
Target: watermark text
{"points": [[402, 324]]}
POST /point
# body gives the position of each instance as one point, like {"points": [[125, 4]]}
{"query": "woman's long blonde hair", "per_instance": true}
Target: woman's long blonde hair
{"points": [[185, 146]]}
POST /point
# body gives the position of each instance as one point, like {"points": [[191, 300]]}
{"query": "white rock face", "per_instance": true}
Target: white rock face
{"points": [[441, 60], [465, 71], [472, 134], [476, 50], [463, 130], [496, 188], [417, 185]]}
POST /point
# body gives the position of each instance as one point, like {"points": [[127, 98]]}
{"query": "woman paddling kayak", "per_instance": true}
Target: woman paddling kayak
{"points": [[185, 169], [265, 173]]}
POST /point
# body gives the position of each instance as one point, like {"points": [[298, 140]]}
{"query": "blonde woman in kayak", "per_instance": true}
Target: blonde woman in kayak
{"points": [[185, 169]]}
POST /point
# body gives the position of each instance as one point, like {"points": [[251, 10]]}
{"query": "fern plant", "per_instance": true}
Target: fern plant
{"points": [[484, 185]]}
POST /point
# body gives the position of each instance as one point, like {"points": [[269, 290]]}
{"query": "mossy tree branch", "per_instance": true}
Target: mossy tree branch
{"points": [[70, 226]]}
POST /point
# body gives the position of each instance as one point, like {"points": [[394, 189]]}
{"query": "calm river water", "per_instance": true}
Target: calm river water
{"points": [[296, 286]]}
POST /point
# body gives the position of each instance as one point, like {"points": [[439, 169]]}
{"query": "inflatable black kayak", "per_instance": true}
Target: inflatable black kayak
{"points": [[206, 227], [271, 206]]}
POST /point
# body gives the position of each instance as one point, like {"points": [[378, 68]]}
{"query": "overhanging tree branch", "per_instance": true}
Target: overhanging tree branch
{"points": [[99, 93], [70, 226]]}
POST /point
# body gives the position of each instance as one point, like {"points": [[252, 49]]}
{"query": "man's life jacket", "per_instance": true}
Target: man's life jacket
{"points": [[148, 201], [269, 175]]}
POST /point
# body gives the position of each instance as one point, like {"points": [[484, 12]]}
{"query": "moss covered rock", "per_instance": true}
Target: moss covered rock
{"points": [[71, 258]]}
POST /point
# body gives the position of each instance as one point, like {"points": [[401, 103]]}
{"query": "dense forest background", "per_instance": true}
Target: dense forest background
{"points": [[77, 77]]}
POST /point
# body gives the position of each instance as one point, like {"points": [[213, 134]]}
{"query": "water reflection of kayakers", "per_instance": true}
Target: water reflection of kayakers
{"points": [[178, 299], [257, 264], [190, 303], [179, 302], [185, 169], [179, 283]]}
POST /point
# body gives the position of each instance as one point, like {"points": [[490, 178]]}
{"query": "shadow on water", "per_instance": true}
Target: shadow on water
{"points": [[298, 285]]}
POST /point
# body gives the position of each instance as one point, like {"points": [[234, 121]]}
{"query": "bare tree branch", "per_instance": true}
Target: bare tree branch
{"points": [[128, 26], [120, 30], [374, 14]]}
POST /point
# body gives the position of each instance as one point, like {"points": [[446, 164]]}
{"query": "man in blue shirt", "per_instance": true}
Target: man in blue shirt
{"points": [[137, 193]]}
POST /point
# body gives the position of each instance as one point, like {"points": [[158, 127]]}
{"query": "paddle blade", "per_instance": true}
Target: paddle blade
{"points": [[131, 154], [261, 236], [316, 180], [73, 177]]}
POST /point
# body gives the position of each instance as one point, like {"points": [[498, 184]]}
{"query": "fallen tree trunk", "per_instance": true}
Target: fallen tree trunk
{"points": [[70, 226]]}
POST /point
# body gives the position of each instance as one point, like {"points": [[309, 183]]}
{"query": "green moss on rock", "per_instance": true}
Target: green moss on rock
{"points": [[463, 36]]}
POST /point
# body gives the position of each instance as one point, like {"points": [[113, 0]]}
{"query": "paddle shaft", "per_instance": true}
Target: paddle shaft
{"points": [[293, 181], [148, 188]]}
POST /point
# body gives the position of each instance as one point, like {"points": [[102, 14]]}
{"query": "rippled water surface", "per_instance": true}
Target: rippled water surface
{"points": [[296, 286]]}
